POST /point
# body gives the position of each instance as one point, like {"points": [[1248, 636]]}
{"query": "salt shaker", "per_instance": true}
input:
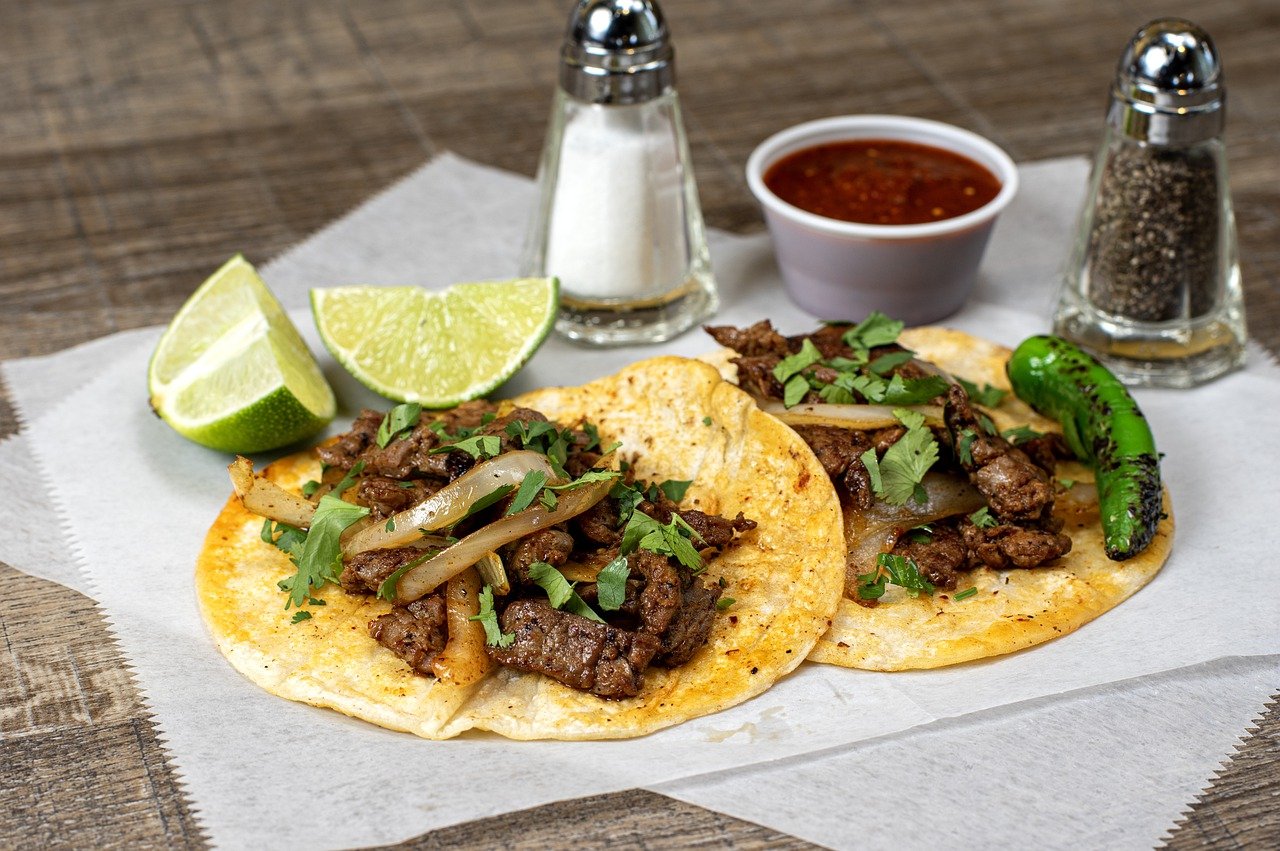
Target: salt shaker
{"points": [[617, 218], [1153, 284]]}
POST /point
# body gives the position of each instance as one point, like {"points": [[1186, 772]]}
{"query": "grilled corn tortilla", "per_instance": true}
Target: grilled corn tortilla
{"points": [[785, 576], [1012, 609]]}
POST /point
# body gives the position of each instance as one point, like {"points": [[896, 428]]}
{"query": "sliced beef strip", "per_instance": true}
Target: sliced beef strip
{"points": [[364, 572], [386, 496], [836, 448], [757, 340], [1016, 489], [1004, 547], [661, 596], [712, 530], [940, 555], [599, 523], [416, 633], [580, 653], [692, 623], [550, 545], [755, 375], [345, 449], [1046, 450]]}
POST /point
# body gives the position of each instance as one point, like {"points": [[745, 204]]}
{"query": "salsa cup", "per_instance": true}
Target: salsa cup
{"points": [[918, 273]]}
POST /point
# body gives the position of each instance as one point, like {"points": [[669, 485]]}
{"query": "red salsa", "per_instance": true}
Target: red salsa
{"points": [[881, 182]]}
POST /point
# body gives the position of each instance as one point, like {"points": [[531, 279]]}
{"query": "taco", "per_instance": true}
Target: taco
{"points": [[578, 563], [971, 530]]}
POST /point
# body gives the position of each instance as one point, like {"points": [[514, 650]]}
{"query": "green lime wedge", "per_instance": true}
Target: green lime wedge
{"points": [[436, 347], [232, 373]]}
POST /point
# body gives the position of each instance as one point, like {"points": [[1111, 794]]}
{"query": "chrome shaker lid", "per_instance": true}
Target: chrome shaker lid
{"points": [[1169, 86], [616, 52]]}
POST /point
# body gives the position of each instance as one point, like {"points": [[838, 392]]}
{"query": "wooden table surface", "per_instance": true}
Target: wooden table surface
{"points": [[145, 141]]}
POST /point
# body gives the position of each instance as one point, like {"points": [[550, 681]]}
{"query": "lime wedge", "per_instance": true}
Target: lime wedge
{"points": [[436, 347], [232, 373]]}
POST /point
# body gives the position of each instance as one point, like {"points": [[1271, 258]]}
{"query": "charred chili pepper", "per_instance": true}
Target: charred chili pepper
{"points": [[1103, 426]]}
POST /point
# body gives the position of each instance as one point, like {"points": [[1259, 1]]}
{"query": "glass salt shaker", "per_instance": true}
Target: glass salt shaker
{"points": [[1153, 284], [617, 218]]}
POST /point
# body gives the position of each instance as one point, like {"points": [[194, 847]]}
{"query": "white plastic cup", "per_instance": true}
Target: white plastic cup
{"points": [[844, 270]]}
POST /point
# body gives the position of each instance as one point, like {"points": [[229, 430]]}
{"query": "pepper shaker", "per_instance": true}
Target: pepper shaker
{"points": [[617, 217], [1153, 284]]}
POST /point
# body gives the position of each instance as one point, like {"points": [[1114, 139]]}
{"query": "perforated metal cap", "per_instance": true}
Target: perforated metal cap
{"points": [[1169, 85], [617, 51]]}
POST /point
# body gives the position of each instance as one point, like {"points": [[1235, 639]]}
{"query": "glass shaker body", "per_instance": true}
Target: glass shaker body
{"points": [[618, 222], [1153, 283]]}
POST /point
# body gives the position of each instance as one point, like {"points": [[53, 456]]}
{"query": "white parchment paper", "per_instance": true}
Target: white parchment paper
{"points": [[242, 753]]}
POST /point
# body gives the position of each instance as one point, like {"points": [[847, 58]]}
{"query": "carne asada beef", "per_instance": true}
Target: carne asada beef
{"points": [[550, 545], [416, 632], [364, 572], [580, 653], [385, 496], [1004, 546], [688, 630], [1016, 489], [756, 341], [939, 554], [600, 523], [344, 450], [712, 530], [662, 594]]}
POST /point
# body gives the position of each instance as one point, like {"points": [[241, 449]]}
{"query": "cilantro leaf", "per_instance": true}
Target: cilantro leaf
{"points": [[792, 365], [724, 603], [794, 391], [876, 330], [904, 572], [982, 518], [869, 461], [398, 419], [913, 391], [966, 593], [1020, 435], [628, 497], [348, 480], [1067, 484], [310, 487], [300, 616], [611, 584], [675, 489], [288, 539], [387, 587], [886, 364], [529, 489], [706, 421], [487, 617], [480, 447], [548, 499], [964, 448], [904, 463], [319, 557], [559, 592], [673, 539], [987, 396], [488, 499], [586, 479]]}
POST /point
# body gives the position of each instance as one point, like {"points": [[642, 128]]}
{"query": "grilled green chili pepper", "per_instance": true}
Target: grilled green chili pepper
{"points": [[1103, 426]]}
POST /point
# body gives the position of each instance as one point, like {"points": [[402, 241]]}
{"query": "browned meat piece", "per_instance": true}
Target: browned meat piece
{"points": [[713, 530], [883, 438], [599, 523], [1003, 547], [939, 555], [364, 572], [580, 653], [857, 481], [755, 375], [416, 633], [580, 462], [756, 341], [345, 449], [466, 415], [836, 448], [1046, 450], [550, 545], [388, 496], [407, 456], [660, 597], [692, 623], [1015, 488], [827, 340]]}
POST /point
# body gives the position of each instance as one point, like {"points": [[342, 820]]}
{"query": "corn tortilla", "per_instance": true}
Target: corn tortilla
{"points": [[679, 420]]}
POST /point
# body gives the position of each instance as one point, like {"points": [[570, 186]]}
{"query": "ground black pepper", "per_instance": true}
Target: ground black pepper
{"points": [[1154, 239]]}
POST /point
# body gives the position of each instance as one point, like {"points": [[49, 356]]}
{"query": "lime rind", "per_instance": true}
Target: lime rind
{"points": [[231, 372], [437, 348]]}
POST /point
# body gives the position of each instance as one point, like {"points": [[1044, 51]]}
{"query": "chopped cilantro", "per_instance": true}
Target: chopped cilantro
{"points": [[706, 421], [966, 593], [391, 525], [987, 425], [300, 616], [794, 391], [644, 533], [869, 461], [492, 497], [982, 518], [922, 534], [309, 488], [586, 479], [405, 485], [316, 601], [399, 419], [611, 584], [289, 536], [1020, 435], [560, 592], [480, 447], [628, 497], [912, 391], [488, 618], [987, 396], [348, 480], [724, 603], [895, 570], [886, 364], [545, 438], [319, 556], [793, 365], [1067, 484], [964, 449], [548, 499], [904, 463], [675, 489], [876, 330], [529, 489], [593, 436]]}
